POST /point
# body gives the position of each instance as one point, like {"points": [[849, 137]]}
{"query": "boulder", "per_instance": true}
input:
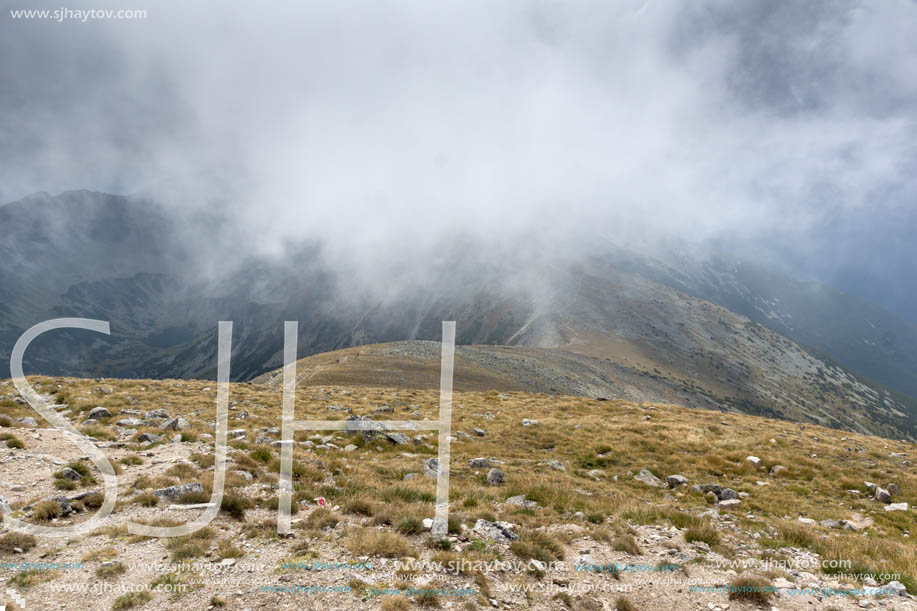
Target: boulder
{"points": [[479, 463], [648, 478], [727, 494], [674, 481], [70, 474], [129, 423], [882, 495], [554, 465], [172, 493], [176, 424], [495, 531], [495, 477], [97, 413]]}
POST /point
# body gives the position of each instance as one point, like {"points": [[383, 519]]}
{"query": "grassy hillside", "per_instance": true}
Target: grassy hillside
{"points": [[577, 464]]}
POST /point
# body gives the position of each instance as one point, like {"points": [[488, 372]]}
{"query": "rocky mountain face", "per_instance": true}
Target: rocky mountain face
{"points": [[703, 333]]}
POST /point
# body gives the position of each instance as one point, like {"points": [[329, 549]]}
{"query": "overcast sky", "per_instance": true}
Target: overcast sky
{"points": [[784, 131]]}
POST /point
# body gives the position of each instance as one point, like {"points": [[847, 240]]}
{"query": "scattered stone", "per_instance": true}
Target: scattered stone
{"points": [[776, 470], [244, 474], [27, 422], [754, 460], [727, 494], [554, 465], [176, 424], [148, 438], [431, 467], [410, 476], [172, 493], [237, 433], [527, 422], [130, 422], [159, 414], [674, 481], [495, 477], [870, 486], [596, 474], [495, 531], [828, 524], [730, 503], [97, 413], [428, 523], [68, 473], [897, 588], [892, 489], [520, 500], [883, 496], [896, 507], [479, 463], [478, 432], [807, 521], [648, 478], [350, 448]]}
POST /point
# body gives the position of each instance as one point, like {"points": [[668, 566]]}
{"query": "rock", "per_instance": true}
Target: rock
{"points": [[479, 463], [870, 486], [428, 523], [648, 478], [478, 432], [244, 474], [350, 448], [596, 474], [65, 507], [520, 501], [856, 522], [674, 481], [776, 470], [828, 524], [495, 531], [727, 494], [237, 433], [68, 473], [130, 422], [782, 583], [527, 422], [97, 413], [27, 422], [148, 438], [159, 414], [892, 489], [398, 438], [431, 467], [730, 503], [754, 460], [883, 495], [172, 493], [554, 465], [410, 476], [5, 505], [176, 424], [896, 507], [807, 521], [495, 477], [127, 432], [897, 588]]}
